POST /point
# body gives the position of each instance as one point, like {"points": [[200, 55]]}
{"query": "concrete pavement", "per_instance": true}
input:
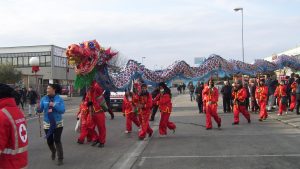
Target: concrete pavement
{"points": [[270, 144]]}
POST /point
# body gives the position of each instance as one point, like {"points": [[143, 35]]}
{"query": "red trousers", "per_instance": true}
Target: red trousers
{"points": [[145, 125], [293, 102], [211, 110], [282, 107], [262, 109], [165, 123], [236, 112], [131, 117], [99, 119]]}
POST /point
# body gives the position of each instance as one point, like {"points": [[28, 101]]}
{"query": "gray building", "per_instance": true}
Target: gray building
{"points": [[52, 62]]}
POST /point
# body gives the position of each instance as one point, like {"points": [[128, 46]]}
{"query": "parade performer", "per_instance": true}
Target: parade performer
{"points": [[211, 105], [144, 108], [293, 96], [53, 107], [87, 127], [163, 100], [261, 95], [239, 96], [13, 132], [281, 95], [135, 100], [204, 97], [95, 102], [128, 111]]}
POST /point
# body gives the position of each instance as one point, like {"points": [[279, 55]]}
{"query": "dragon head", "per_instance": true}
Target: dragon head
{"points": [[85, 56]]}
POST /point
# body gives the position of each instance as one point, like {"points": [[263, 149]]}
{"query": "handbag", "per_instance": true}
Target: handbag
{"points": [[78, 126]]}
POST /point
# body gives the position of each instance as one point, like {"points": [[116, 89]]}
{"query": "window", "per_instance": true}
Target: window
{"points": [[20, 61], [48, 60], [26, 61], [15, 61], [42, 61]]}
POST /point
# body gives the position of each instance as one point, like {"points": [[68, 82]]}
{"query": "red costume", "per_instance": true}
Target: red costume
{"points": [[129, 114], [87, 126], [261, 95], [204, 98], [239, 105], [145, 105], [280, 93], [165, 107], [13, 136], [211, 106], [293, 96], [98, 114]]}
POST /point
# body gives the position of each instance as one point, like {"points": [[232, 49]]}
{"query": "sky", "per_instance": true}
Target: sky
{"points": [[162, 31]]}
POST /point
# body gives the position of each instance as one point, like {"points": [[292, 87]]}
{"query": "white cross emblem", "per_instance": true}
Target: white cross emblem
{"points": [[23, 133]]}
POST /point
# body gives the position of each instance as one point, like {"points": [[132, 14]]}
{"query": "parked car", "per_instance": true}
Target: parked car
{"points": [[116, 100], [64, 90]]}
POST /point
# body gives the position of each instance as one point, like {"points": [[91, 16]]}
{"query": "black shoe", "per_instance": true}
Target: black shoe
{"points": [[79, 142], [219, 125], [60, 162], [152, 119], [173, 131], [95, 143], [249, 121], [112, 116], [235, 123], [260, 119], [208, 128], [101, 145], [140, 138], [150, 134]]}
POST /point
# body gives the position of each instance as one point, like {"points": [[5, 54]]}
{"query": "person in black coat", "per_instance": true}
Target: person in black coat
{"points": [[107, 100], [198, 92], [32, 98], [155, 106], [226, 93]]}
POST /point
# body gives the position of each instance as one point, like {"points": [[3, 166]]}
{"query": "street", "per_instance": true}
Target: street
{"points": [[260, 145]]}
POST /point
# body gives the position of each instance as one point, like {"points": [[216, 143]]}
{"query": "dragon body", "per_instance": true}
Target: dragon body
{"points": [[91, 62]]}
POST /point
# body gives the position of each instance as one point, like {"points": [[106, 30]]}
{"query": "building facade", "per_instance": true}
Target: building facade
{"points": [[52, 62]]}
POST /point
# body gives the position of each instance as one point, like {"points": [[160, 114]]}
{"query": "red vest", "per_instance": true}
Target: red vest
{"points": [[13, 134]]}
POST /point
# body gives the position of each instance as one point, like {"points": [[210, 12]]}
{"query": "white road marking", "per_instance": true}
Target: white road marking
{"points": [[127, 160], [225, 156]]}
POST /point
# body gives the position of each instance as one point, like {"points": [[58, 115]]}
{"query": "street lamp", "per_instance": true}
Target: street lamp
{"points": [[34, 63], [143, 60], [242, 10]]}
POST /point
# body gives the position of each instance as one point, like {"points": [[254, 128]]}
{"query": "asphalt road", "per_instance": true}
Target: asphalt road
{"points": [[259, 145]]}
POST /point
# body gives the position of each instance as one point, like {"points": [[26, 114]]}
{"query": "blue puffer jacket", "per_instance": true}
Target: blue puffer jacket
{"points": [[58, 109]]}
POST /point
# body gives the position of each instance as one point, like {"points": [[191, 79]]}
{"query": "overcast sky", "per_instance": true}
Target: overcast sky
{"points": [[160, 30]]}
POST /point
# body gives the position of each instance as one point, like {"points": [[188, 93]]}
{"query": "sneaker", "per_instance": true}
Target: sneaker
{"points": [[279, 114], [127, 131], [286, 112], [235, 123]]}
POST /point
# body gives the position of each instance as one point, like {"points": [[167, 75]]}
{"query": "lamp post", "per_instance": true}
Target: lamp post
{"points": [[35, 62], [242, 10], [143, 60]]}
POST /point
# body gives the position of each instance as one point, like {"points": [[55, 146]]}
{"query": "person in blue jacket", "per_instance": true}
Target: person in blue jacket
{"points": [[53, 107]]}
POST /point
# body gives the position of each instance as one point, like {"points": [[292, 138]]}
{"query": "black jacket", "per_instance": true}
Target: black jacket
{"points": [[32, 97], [226, 91], [199, 90]]}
